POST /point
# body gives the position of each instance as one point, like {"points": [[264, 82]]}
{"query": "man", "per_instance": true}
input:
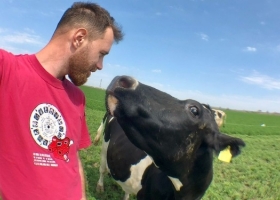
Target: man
{"points": [[42, 114]]}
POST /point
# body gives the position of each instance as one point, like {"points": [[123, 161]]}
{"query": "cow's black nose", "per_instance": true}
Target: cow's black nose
{"points": [[123, 82]]}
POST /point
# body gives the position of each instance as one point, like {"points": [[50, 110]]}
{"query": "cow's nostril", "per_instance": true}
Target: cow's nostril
{"points": [[126, 82]]}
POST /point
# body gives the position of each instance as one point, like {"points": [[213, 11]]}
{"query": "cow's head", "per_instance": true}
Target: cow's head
{"points": [[167, 129]]}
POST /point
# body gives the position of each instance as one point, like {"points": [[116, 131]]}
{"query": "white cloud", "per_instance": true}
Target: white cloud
{"points": [[29, 30], [22, 38], [15, 50], [237, 102], [176, 8], [155, 85], [250, 49], [204, 36], [116, 66], [262, 80], [19, 42], [156, 70]]}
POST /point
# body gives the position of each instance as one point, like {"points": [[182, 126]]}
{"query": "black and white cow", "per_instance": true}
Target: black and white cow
{"points": [[157, 146]]}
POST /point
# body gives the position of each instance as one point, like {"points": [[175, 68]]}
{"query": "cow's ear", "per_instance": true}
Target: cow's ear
{"points": [[222, 141]]}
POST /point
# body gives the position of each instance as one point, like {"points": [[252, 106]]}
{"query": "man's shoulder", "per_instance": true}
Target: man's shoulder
{"points": [[4, 54], [3, 51], [7, 55], [10, 62]]}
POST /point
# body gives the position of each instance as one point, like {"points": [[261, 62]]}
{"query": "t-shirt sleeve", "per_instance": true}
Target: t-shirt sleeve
{"points": [[7, 66], [85, 136]]}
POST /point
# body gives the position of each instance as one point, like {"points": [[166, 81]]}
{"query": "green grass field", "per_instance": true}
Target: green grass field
{"points": [[254, 175]]}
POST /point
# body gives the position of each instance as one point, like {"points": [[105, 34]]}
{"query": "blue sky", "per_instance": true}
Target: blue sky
{"points": [[221, 52]]}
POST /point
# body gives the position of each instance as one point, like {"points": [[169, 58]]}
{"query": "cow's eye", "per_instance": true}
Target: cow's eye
{"points": [[194, 110]]}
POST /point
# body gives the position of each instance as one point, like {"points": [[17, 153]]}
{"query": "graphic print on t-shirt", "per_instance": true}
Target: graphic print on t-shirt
{"points": [[60, 147], [48, 129]]}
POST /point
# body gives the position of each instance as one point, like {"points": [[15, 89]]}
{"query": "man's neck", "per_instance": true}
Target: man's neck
{"points": [[54, 59]]}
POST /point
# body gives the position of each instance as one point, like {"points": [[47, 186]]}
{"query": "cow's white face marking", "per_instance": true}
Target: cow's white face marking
{"points": [[112, 104], [176, 182], [133, 184]]}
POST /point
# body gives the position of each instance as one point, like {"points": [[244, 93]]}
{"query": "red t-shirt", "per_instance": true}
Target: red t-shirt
{"points": [[42, 127]]}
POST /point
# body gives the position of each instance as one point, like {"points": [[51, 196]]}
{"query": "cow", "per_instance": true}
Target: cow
{"points": [[159, 147], [220, 117]]}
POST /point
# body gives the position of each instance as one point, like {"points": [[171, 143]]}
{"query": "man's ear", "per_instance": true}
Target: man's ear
{"points": [[79, 37]]}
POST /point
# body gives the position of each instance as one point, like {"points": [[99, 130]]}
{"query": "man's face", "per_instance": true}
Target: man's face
{"points": [[89, 58]]}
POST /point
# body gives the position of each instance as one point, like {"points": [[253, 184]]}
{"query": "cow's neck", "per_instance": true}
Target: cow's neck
{"points": [[193, 176]]}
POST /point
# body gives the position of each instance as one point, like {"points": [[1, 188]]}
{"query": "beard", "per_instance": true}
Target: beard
{"points": [[80, 67]]}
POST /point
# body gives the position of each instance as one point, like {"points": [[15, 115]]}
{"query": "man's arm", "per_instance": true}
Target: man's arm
{"points": [[81, 170]]}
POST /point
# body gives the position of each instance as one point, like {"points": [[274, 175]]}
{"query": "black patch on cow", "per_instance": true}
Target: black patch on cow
{"points": [[121, 152], [156, 185]]}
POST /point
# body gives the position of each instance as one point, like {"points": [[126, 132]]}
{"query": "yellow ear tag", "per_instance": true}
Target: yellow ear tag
{"points": [[225, 155]]}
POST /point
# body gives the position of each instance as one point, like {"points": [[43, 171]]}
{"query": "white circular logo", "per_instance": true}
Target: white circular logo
{"points": [[45, 122]]}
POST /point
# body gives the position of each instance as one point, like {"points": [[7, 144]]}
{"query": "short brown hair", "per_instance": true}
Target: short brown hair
{"points": [[93, 17]]}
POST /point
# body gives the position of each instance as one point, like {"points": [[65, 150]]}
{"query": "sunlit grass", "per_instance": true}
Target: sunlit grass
{"points": [[250, 123], [252, 175]]}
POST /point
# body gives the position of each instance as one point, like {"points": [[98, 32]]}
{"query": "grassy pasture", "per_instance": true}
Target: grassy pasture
{"points": [[249, 123], [255, 174]]}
